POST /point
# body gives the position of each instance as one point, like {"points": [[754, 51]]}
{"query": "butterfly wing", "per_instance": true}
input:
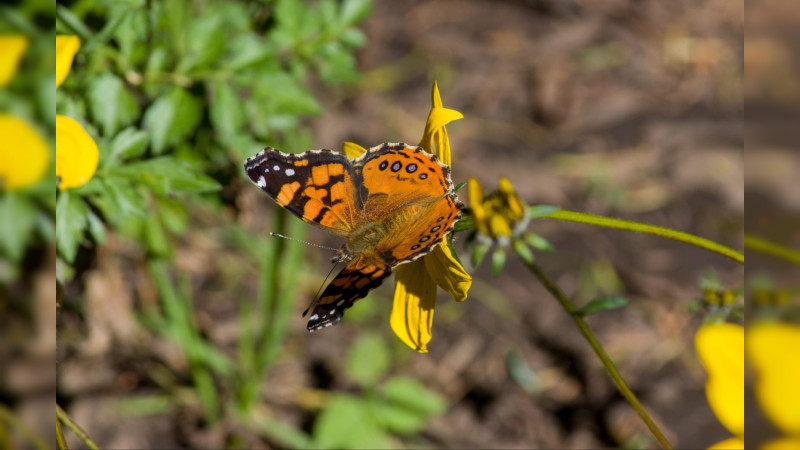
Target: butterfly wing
{"points": [[411, 193], [316, 186], [354, 282]]}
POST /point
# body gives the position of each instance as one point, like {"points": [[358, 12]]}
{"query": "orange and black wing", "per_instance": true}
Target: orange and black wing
{"points": [[316, 186], [353, 282], [409, 191]]}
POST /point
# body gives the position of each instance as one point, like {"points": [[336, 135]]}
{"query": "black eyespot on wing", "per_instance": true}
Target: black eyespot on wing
{"points": [[397, 166]]}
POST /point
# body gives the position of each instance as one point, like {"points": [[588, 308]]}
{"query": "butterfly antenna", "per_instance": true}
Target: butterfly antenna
{"points": [[319, 291], [303, 242]]}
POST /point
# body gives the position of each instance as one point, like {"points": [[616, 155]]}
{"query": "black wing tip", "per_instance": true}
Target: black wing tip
{"points": [[324, 319]]}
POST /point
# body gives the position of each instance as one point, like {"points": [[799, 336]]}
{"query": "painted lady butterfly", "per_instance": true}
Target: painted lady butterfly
{"points": [[394, 203]]}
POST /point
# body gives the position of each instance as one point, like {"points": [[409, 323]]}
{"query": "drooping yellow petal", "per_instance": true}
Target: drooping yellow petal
{"points": [[720, 347], [352, 150], [24, 154], [66, 48], [414, 300], [772, 351], [12, 47], [76, 153], [448, 273], [729, 444]]}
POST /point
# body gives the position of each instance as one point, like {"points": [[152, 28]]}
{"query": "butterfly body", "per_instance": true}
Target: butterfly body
{"points": [[393, 204]]}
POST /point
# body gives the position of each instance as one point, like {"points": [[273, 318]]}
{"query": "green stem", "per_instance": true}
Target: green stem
{"points": [[66, 420], [7, 417], [770, 248], [601, 353], [608, 222]]}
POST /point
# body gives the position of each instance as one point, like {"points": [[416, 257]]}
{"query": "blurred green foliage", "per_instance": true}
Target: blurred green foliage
{"points": [[176, 94]]}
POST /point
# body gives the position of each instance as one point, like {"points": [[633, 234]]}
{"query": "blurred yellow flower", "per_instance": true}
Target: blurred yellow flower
{"points": [[501, 214], [415, 282], [24, 154], [66, 47], [76, 152], [12, 47], [772, 349], [720, 347]]}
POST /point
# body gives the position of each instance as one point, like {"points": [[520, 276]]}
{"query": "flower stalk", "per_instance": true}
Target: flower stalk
{"points": [[64, 418], [583, 326], [608, 222]]}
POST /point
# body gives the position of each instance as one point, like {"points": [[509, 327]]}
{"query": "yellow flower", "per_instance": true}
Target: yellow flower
{"points": [[24, 154], [415, 282], [76, 151], [772, 351], [501, 214], [11, 49], [720, 347], [66, 47]]}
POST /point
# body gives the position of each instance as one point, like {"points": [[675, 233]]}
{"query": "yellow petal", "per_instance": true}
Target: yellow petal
{"points": [[12, 47], [414, 300], [721, 350], [514, 202], [448, 272], [475, 192], [24, 154], [439, 145], [76, 153], [728, 444], [772, 351], [352, 150], [66, 47], [784, 443]]}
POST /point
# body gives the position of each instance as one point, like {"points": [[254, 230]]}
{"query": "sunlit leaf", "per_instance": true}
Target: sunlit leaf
{"points": [[367, 359], [603, 304]]}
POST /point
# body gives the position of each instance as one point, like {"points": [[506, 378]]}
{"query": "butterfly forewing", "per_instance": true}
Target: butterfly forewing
{"points": [[316, 186]]}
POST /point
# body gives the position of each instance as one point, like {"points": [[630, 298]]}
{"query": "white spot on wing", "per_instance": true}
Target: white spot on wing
{"points": [[262, 182], [289, 172], [276, 167]]}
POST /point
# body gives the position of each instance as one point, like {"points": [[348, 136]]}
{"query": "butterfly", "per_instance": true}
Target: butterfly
{"points": [[393, 204]]}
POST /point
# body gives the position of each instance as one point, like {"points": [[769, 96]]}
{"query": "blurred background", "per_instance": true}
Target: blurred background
{"points": [[179, 319]]}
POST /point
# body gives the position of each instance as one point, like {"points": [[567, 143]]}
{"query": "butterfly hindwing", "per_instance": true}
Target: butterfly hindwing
{"points": [[316, 186], [354, 282]]}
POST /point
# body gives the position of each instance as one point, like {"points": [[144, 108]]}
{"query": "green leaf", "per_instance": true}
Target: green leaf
{"points": [[603, 304], [498, 260], [478, 254], [124, 201], [71, 221], [354, 37], [346, 422], [541, 210], [97, 228], [172, 118], [464, 224], [367, 359], [17, 219], [227, 114], [166, 174], [523, 251], [206, 43], [538, 242], [406, 406], [111, 104], [354, 11], [129, 143], [337, 64], [290, 14], [522, 373]]}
